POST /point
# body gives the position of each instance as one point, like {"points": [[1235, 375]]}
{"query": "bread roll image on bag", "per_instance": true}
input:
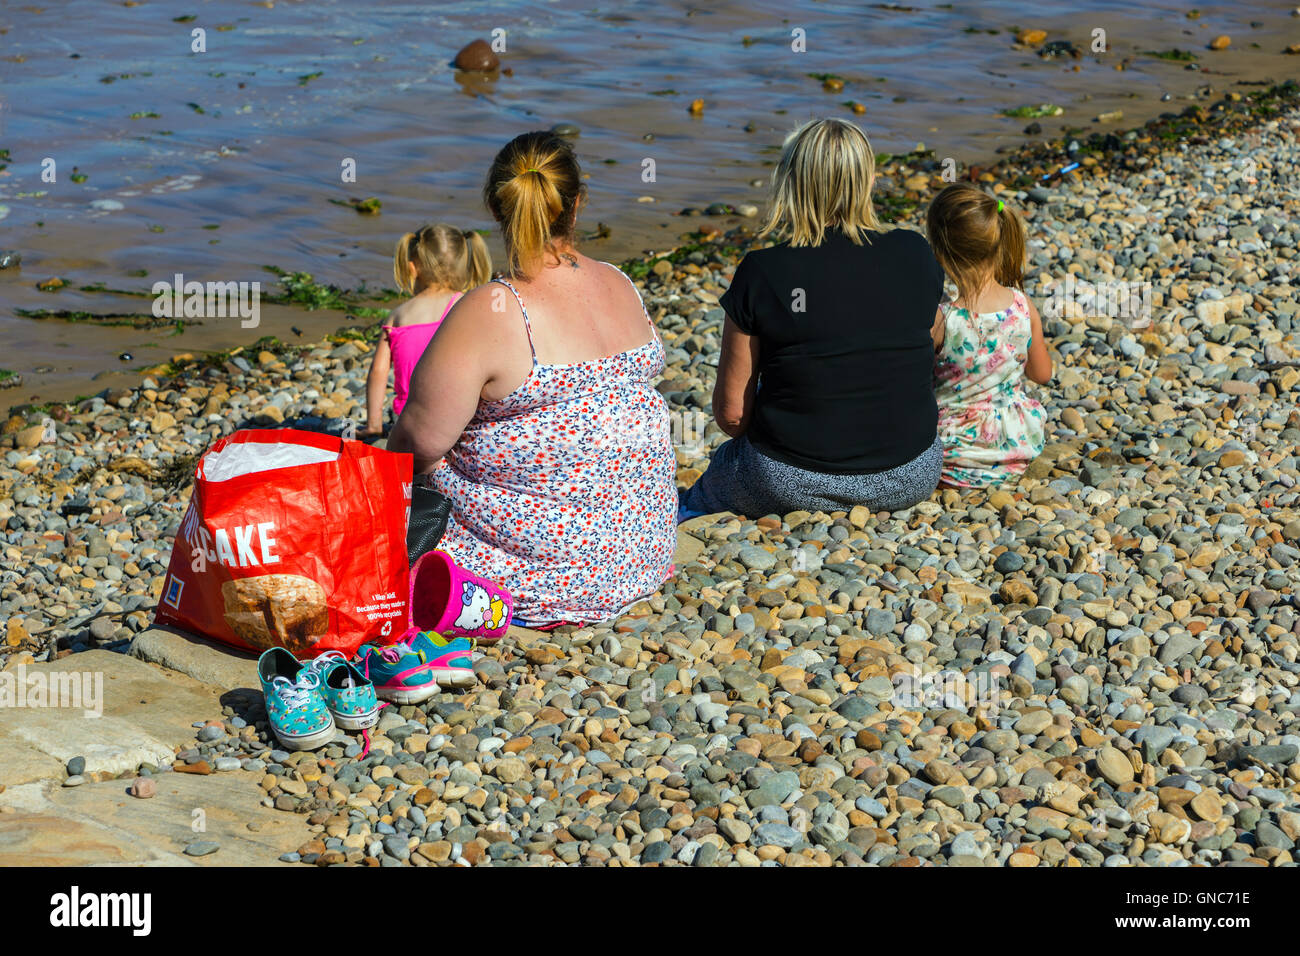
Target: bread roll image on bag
{"points": [[276, 610]]}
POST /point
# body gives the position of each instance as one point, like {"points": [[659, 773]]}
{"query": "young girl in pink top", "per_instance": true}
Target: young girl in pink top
{"points": [[436, 264]]}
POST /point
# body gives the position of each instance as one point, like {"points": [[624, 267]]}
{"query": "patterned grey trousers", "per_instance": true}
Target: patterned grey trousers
{"points": [[743, 480]]}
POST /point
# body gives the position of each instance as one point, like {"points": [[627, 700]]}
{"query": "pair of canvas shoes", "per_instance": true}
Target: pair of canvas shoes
{"points": [[307, 701]]}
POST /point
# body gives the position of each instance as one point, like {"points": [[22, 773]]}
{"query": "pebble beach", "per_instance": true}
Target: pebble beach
{"points": [[1119, 630]]}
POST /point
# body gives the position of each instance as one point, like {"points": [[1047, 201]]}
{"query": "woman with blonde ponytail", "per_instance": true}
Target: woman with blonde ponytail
{"points": [[435, 265], [535, 411]]}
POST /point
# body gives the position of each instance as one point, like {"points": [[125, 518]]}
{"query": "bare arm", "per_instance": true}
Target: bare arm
{"points": [[461, 360], [733, 393], [377, 385], [937, 330], [1038, 366]]}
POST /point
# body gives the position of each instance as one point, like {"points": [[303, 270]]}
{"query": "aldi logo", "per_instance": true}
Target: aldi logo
{"points": [[172, 596]]}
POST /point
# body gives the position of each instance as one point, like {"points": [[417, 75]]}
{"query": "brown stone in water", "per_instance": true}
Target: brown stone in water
{"points": [[477, 57], [201, 768]]}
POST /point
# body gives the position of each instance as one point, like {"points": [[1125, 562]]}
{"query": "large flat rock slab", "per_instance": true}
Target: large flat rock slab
{"points": [[202, 659], [100, 824], [114, 710], [689, 547]]}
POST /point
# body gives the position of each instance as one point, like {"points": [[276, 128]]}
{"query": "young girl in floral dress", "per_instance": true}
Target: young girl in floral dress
{"points": [[986, 341]]}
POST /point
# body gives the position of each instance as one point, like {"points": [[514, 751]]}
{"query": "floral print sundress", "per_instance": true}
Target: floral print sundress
{"points": [[564, 492], [990, 426]]}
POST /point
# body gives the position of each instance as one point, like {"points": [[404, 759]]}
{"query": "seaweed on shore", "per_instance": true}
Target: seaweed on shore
{"points": [[100, 287], [300, 288], [1175, 54], [134, 320], [1033, 112]]}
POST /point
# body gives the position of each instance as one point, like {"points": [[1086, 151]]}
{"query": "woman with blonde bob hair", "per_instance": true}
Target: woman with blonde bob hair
{"points": [[534, 409], [825, 379]]}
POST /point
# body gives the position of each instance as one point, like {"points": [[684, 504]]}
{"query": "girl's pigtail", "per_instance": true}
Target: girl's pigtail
{"points": [[478, 261], [402, 263], [1010, 270]]}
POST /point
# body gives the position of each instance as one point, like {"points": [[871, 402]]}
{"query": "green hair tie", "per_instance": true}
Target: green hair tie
{"points": [[999, 205]]}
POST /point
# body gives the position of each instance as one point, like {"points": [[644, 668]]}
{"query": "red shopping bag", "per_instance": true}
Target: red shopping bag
{"points": [[292, 539]]}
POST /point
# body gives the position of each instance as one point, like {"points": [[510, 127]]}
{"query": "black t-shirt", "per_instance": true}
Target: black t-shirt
{"points": [[846, 358]]}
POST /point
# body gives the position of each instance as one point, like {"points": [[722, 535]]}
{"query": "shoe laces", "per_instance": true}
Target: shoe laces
{"points": [[325, 662], [296, 693]]}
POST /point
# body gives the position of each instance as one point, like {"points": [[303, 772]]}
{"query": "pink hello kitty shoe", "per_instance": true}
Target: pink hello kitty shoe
{"points": [[448, 599]]}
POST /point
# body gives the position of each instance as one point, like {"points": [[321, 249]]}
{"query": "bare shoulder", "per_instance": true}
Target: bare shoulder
{"points": [[617, 284], [489, 306], [398, 315], [486, 298]]}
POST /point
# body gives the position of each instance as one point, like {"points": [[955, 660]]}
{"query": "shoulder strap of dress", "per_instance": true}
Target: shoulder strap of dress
{"points": [[649, 321], [527, 325]]}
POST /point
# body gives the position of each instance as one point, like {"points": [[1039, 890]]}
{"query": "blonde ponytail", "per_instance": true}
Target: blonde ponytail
{"points": [[533, 189], [402, 263], [478, 261]]}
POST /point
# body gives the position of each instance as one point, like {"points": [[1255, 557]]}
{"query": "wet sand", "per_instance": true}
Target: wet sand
{"points": [[237, 169]]}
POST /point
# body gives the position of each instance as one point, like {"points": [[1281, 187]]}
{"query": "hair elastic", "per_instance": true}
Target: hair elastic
{"points": [[999, 205]]}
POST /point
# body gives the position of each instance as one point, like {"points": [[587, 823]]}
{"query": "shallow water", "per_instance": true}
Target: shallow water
{"points": [[237, 168]]}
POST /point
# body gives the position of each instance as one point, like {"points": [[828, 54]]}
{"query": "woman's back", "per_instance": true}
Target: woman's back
{"points": [[845, 349], [574, 314], [577, 458]]}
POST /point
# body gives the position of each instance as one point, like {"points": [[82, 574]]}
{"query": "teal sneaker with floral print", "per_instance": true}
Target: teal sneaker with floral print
{"points": [[399, 673], [295, 706], [349, 694], [450, 658]]}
